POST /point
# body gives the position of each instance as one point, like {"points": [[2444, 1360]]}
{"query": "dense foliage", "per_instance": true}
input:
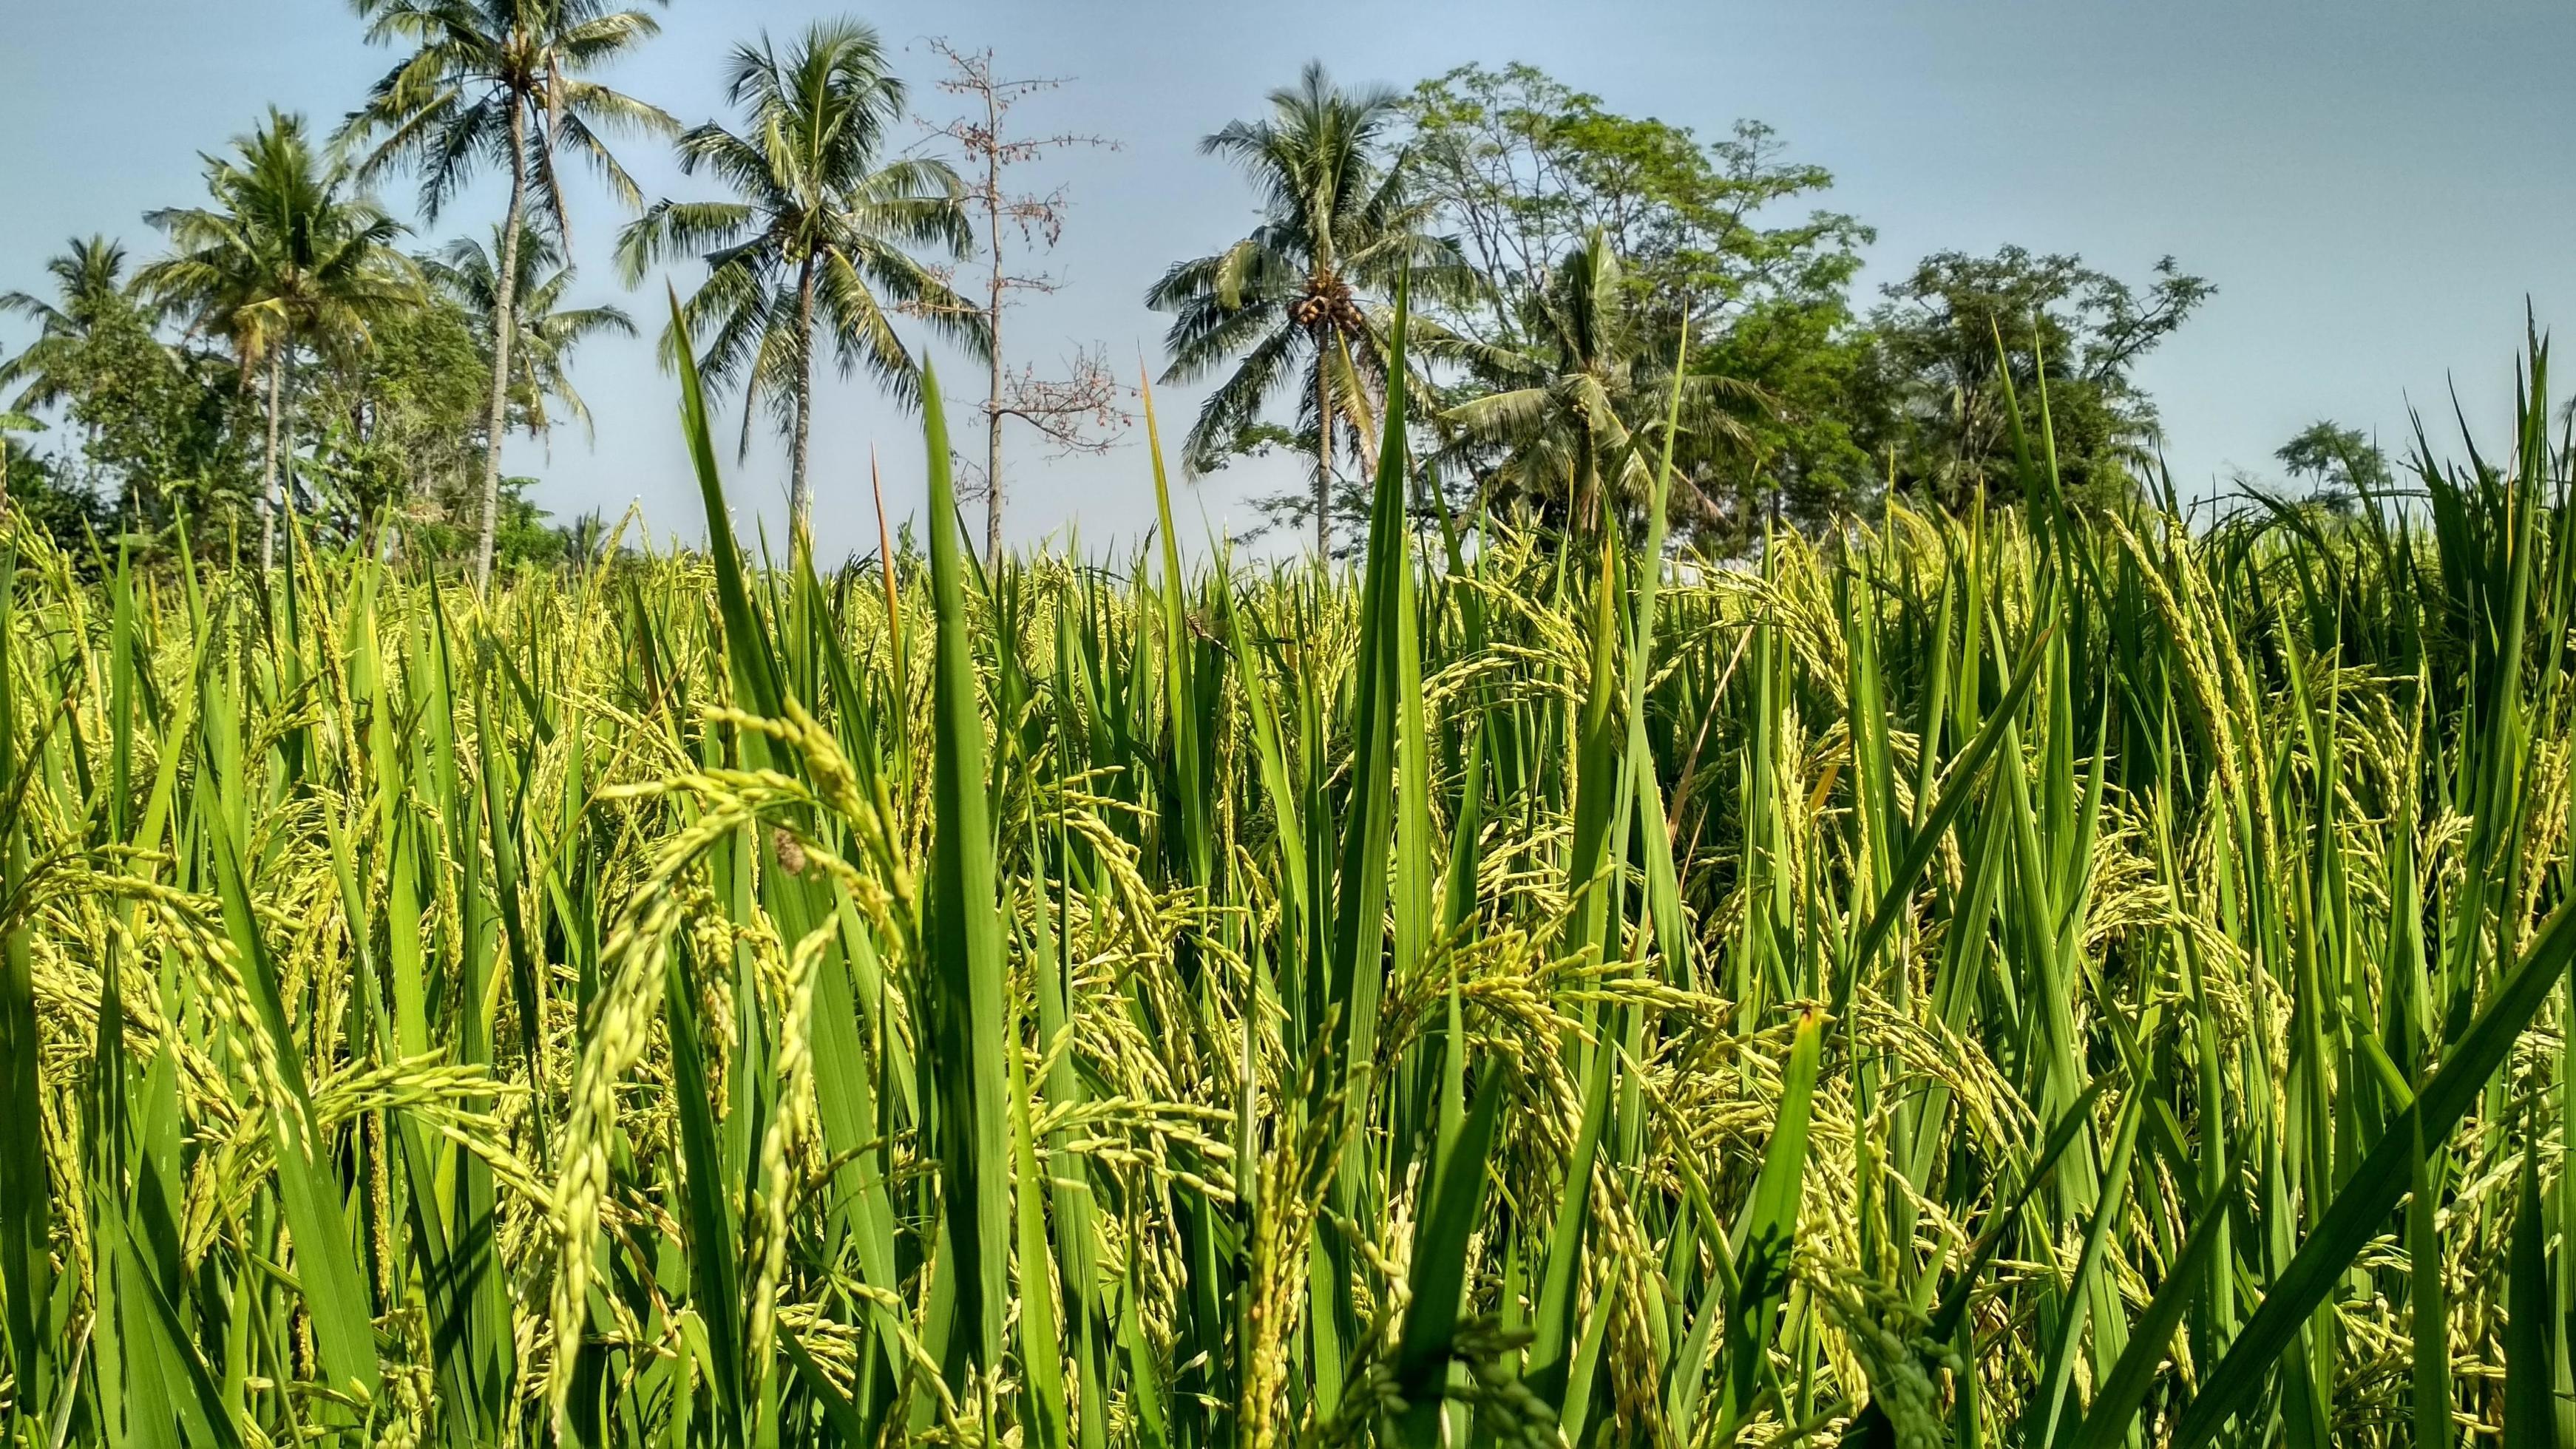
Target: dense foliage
{"points": [[2029, 975], [1562, 259], [1761, 884]]}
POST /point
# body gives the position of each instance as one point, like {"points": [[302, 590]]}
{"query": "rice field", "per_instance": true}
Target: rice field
{"points": [[2031, 978]]}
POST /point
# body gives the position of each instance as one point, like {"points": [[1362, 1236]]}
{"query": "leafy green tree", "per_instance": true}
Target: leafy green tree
{"points": [[398, 425], [1343, 218], [1799, 459], [525, 537], [1725, 234], [154, 420], [43, 494], [90, 282], [286, 256], [503, 82], [91, 287], [546, 330], [14, 455], [1934, 389], [1562, 423], [522, 536], [171, 425], [822, 233], [2341, 466], [1526, 169], [585, 541]]}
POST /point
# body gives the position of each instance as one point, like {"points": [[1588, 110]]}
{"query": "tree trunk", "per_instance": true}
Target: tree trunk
{"points": [[1323, 450], [505, 300], [993, 320], [800, 495], [268, 466]]}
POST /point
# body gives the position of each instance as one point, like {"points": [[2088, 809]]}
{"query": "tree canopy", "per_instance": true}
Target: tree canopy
{"points": [[1574, 271]]}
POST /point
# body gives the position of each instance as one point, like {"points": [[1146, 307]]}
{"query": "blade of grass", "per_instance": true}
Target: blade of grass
{"points": [[2361, 1207]]}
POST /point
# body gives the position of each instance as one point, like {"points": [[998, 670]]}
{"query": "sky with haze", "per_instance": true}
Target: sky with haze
{"points": [[2375, 187]]}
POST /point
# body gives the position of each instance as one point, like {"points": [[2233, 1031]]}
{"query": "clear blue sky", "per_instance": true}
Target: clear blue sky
{"points": [[2375, 187]]}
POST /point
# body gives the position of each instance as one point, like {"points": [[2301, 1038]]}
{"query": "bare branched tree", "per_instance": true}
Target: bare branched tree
{"points": [[1078, 411]]}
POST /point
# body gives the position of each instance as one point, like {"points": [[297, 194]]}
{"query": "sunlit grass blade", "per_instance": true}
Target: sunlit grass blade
{"points": [[963, 941], [1455, 1202], [2115, 1402], [1760, 1245], [2530, 1330], [1041, 1349], [2361, 1208], [26, 1263], [326, 1269]]}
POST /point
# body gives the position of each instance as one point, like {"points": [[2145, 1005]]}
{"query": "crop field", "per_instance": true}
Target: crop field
{"points": [[2047, 976]]}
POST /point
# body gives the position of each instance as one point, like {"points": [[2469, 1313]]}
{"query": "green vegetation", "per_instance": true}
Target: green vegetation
{"points": [[819, 234], [283, 259], [1344, 220], [1758, 887], [1561, 258], [2037, 976], [506, 83]]}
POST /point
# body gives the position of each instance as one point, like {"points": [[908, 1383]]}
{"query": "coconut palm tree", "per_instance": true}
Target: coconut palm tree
{"points": [[503, 82], [90, 286], [546, 331], [286, 256], [1566, 415], [1342, 221], [822, 233], [90, 282]]}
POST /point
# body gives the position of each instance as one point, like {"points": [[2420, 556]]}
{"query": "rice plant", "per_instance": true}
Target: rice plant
{"points": [[2032, 978]]}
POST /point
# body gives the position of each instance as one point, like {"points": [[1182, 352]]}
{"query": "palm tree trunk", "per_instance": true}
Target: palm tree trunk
{"points": [[1323, 452], [800, 495], [505, 300], [268, 466]]}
